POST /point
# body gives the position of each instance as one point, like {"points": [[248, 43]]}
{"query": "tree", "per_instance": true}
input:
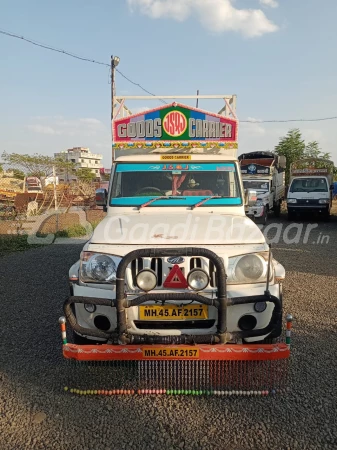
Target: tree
{"points": [[292, 147], [18, 174], [1, 169], [312, 150], [35, 165], [85, 174]]}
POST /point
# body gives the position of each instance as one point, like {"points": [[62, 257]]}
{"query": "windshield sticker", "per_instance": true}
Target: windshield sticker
{"points": [[175, 167], [207, 167]]}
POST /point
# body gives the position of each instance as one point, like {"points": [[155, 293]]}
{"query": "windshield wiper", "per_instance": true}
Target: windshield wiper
{"points": [[206, 200], [143, 205]]}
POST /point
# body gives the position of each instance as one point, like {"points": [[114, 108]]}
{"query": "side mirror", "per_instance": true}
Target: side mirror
{"points": [[272, 189], [101, 198], [251, 197]]}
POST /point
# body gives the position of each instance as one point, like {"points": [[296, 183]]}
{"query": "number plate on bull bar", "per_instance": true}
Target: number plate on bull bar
{"points": [[173, 312], [171, 352]]}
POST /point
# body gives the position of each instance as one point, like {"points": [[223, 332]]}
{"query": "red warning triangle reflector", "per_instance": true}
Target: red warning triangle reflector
{"points": [[175, 279]]}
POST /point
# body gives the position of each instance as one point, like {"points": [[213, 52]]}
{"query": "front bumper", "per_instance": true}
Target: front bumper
{"points": [[256, 211], [294, 207], [125, 310]]}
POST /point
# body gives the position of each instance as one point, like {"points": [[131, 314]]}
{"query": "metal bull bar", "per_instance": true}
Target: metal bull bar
{"points": [[221, 302]]}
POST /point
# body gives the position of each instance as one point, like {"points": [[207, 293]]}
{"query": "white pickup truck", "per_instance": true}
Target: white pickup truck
{"points": [[176, 260], [311, 187], [265, 173]]}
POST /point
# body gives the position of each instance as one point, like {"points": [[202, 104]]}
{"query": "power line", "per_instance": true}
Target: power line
{"points": [[73, 55], [288, 120], [53, 48], [136, 84]]}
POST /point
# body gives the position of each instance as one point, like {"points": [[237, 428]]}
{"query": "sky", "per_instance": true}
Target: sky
{"points": [[277, 56]]}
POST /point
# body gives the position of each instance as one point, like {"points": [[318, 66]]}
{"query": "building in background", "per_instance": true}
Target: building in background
{"points": [[84, 159]]}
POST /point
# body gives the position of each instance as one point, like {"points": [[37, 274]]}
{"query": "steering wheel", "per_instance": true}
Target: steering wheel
{"points": [[149, 188]]}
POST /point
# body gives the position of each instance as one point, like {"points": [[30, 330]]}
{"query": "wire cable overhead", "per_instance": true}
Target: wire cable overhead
{"points": [[73, 55]]}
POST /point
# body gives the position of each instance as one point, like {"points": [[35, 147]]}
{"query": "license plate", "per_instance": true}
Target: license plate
{"points": [[173, 312], [172, 352]]}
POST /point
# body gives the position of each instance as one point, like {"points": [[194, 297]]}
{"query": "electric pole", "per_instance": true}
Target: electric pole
{"points": [[114, 64]]}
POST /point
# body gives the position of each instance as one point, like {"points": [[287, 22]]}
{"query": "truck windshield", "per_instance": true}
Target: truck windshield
{"points": [[309, 185], [183, 184], [258, 185]]}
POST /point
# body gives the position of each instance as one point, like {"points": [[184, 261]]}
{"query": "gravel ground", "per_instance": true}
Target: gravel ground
{"points": [[36, 414]]}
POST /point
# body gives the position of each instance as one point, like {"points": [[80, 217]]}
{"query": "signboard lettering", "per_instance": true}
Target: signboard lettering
{"points": [[178, 125]]}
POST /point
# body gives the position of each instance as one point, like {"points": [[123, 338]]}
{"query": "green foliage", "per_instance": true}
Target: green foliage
{"points": [[1, 168], [18, 174], [73, 231], [85, 174], [36, 165], [293, 147], [14, 243], [312, 150], [94, 223]]}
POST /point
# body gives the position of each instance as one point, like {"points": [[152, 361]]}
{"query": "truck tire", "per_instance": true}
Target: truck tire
{"points": [[277, 209], [327, 216], [291, 216], [264, 218]]}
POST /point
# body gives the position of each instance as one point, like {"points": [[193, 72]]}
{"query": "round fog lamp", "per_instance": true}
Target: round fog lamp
{"points": [[146, 280], [260, 306], [89, 307], [197, 279]]}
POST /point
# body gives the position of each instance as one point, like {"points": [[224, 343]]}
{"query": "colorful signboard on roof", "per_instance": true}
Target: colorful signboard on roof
{"points": [[175, 125]]}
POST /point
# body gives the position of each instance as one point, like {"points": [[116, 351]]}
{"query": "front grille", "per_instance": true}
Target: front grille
{"points": [[136, 266], [195, 263], [308, 202], [212, 275], [173, 324], [157, 265]]}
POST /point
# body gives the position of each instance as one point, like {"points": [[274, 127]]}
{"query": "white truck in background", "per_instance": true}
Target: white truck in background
{"points": [[264, 172], [311, 187]]}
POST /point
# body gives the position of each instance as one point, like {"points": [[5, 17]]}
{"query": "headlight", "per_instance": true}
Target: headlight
{"points": [[97, 267], [251, 268], [323, 201], [197, 279], [291, 200], [146, 280], [259, 203]]}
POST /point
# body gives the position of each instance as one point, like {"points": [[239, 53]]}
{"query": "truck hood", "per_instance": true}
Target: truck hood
{"points": [[176, 228]]}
